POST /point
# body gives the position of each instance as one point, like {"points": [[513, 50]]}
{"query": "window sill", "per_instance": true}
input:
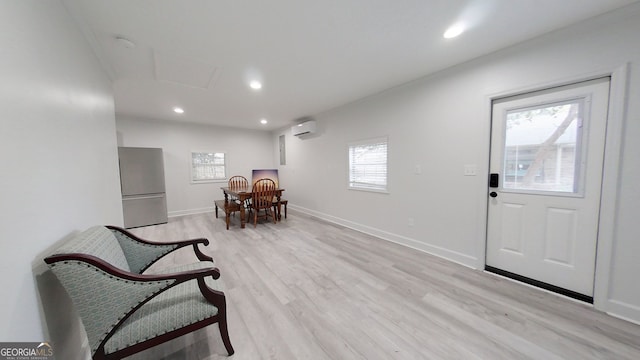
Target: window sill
{"points": [[195, 182], [386, 191]]}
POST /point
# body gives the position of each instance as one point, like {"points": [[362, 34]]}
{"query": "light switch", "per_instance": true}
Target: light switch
{"points": [[470, 170]]}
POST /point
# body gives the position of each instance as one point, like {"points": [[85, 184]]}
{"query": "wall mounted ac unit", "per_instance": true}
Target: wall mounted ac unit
{"points": [[307, 127]]}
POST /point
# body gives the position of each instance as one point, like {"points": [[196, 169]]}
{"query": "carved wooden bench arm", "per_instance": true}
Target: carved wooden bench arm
{"points": [[143, 253], [126, 275]]}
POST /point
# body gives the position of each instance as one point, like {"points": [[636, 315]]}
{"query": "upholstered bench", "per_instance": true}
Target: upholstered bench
{"points": [[228, 207], [125, 309]]}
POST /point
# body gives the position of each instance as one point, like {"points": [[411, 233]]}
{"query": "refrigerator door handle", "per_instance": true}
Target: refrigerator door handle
{"points": [[142, 197]]}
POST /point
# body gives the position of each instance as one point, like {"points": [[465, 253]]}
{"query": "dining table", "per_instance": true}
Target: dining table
{"points": [[244, 193]]}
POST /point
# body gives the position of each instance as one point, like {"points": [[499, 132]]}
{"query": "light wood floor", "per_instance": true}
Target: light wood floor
{"points": [[307, 289]]}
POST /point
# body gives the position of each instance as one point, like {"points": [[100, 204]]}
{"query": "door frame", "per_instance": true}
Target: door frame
{"points": [[609, 197]]}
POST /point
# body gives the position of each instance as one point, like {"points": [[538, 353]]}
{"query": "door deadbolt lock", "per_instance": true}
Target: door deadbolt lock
{"points": [[494, 180], [493, 194]]}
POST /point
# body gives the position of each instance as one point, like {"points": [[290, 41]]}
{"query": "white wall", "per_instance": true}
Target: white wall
{"points": [[442, 122], [58, 153], [245, 150], [59, 161]]}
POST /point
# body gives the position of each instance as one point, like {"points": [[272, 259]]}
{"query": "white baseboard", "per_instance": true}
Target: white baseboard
{"points": [[460, 258], [624, 311], [190, 212], [615, 308]]}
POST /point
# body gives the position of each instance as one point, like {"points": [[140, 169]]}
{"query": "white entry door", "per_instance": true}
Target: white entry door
{"points": [[547, 151]]}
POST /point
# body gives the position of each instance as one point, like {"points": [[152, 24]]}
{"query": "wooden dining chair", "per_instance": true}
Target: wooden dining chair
{"points": [[238, 182], [262, 195]]}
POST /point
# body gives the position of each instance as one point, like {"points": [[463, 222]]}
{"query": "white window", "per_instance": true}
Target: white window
{"points": [[208, 167], [368, 165]]}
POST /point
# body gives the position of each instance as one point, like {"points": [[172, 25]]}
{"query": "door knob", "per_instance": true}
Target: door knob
{"points": [[493, 194]]}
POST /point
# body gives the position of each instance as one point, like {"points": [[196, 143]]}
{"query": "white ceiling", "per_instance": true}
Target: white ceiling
{"points": [[311, 56]]}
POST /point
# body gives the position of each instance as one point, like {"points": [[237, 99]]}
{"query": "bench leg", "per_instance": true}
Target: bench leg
{"points": [[276, 208], [218, 299], [224, 332]]}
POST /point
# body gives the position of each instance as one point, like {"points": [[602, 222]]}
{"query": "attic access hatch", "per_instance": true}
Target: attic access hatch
{"points": [[307, 127]]}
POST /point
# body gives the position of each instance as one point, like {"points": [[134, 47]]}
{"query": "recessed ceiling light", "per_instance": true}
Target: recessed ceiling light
{"points": [[263, 121], [178, 110], [453, 31], [255, 85]]}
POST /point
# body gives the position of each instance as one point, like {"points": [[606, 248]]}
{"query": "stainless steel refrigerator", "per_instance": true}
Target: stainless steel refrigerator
{"points": [[143, 191]]}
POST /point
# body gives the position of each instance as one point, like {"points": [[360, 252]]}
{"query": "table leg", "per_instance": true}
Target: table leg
{"points": [[242, 218], [279, 205]]}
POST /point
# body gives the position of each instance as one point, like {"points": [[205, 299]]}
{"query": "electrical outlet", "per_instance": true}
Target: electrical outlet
{"points": [[417, 169], [410, 222]]}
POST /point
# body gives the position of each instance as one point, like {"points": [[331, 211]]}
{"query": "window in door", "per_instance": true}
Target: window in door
{"points": [[543, 149]]}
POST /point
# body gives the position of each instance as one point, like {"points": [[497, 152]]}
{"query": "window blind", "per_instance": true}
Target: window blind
{"points": [[368, 165], [208, 166]]}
